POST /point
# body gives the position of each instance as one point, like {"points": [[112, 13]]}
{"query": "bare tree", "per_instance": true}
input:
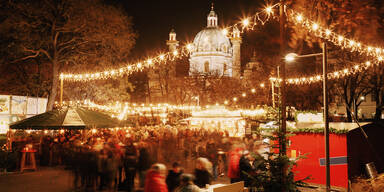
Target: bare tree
{"points": [[75, 36]]}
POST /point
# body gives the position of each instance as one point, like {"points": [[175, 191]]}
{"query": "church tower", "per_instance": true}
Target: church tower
{"points": [[172, 46], [172, 42], [236, 44]]}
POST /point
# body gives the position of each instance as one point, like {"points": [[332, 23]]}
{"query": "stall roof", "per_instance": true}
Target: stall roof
{"points": [[67, 118]]}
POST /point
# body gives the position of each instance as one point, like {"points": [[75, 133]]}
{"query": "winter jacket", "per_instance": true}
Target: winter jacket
{"points": [[144, 162], [173, 180], [203, 177], [154, 182], [233, 167], [246, 169]]}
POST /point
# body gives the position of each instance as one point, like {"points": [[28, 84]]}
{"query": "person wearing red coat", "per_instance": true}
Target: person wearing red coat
{"points": [[233, 164], [155, 179]]}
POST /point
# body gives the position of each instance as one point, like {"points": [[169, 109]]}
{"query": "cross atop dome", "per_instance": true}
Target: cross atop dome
{"points": [[212, 18]]}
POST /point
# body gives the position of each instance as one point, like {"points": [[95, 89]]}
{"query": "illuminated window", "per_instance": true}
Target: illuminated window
{"points": [[206, 67]]}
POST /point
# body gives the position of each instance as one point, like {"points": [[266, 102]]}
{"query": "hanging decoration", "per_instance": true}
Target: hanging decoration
{"points": [[249, 23], [377, 53]]}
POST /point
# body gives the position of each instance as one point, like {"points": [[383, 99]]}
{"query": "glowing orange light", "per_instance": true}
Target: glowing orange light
{"points": [[315, 26], [327, 32], [225, 31], [299, 18], [245, 22], [268, 10]]}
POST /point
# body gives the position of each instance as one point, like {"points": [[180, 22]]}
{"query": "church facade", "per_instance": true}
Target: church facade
{"points": [[213, 53]]}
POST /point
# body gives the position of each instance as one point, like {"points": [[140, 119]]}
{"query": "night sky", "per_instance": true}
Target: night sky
{"points": [[153, 19]]}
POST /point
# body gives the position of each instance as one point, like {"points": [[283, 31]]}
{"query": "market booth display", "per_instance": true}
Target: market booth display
{"points": [[68, 118], [346, 151], [220, 118]]}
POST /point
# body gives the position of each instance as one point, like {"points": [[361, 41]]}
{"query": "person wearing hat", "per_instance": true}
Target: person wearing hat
{"points": [[187, 184]]}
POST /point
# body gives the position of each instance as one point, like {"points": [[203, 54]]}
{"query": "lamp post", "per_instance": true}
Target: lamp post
{"points": [[355, 112], [291, 57]]}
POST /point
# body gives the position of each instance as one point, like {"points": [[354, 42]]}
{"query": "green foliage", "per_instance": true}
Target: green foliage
{"points": [[308, 130], [269, 115], [270, 176]]}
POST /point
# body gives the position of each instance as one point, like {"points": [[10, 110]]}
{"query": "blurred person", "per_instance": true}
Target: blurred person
{"points": [[246, 168], [143, 164], [130, 164], [233, 163], [203, 172], [173, 177], [187, 184], [111, 171], [155, 179], [213, 157]]}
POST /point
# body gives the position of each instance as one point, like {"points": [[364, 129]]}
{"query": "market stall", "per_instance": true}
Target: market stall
{"points": [[218, 118]]}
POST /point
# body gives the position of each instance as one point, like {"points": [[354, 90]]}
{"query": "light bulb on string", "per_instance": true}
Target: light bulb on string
{"points": [[245, 22], [268, 10], [299, 18], [315, 26], [327, 32], [224, 31]]}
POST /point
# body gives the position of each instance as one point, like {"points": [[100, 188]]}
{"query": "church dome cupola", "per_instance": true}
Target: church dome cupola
{"points": [[212, 18]]}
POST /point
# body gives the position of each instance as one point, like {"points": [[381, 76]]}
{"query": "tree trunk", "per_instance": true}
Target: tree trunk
{"points": [[55, 80], [379, 106], [349, 115], [378, 112]]}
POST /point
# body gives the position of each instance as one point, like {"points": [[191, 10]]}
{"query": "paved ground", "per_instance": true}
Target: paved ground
{"points": [[45, 179], [59, 180]]}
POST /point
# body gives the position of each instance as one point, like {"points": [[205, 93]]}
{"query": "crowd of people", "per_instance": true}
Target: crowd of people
{"points": [[111, 159]]}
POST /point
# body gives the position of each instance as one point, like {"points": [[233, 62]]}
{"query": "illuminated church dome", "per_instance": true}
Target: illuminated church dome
{"points": [[212, 50], [212, 39]]}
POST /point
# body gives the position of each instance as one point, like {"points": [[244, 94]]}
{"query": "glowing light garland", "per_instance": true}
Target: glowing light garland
{"points": [[248, 23], [130, 68], [349, 44]]}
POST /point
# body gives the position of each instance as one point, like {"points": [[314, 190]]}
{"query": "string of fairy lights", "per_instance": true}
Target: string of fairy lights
{"points": [[235, 30], [376, 53], [248, 23]]}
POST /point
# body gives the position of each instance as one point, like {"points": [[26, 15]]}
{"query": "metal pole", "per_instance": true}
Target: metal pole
{"points": [[273, 93], [355, 110], [282, 69], [326, 123], [282, 143], [61, 90]]}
